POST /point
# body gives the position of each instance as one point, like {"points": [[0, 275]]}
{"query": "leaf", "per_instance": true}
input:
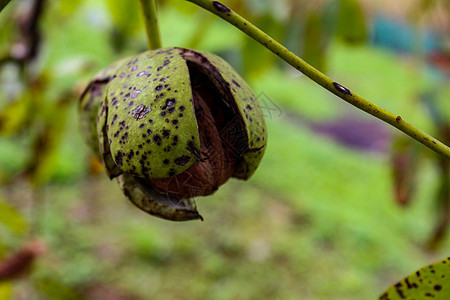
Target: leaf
{"points": [[19, 263], [404, 164], [5, 290], [55, 290], [3, 251], [255, 59], [14, 116], [10, 218], [351, 24], [314, 46], [430, 282], [126, 15], [68, 8], [47, 145], [181, 6], [3, 4], [443, 196], [127, 20]]}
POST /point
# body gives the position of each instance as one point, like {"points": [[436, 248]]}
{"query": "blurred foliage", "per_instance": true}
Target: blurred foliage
{"points": [[12, 219], [319, 220], [3, 3], [51, 288]]}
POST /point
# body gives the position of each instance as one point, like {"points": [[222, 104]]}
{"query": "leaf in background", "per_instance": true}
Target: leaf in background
{"points": [[20, 263], [127, 20], [67, 8], [199, 33], [404, 164], [430, 282], [255, 58], [314, 46], [5, 290], [53, 289], [438, 111], [438, 108], [10, 218], [126, 16], [9, 28], [351, 23], [14, 116], [3, 251], [46, 147], [443, 196], [185, 8], [3, 4]]}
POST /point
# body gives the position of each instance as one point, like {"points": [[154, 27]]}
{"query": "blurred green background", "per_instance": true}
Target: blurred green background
{"points": [[341, 207]]}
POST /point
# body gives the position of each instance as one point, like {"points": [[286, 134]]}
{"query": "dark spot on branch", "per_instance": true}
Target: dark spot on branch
{"points": [[220, 7], [398, 119], [341, 88]]}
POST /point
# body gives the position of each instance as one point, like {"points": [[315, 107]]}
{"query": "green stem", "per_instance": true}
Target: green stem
{"points": [[149, 11], [395, 120]]}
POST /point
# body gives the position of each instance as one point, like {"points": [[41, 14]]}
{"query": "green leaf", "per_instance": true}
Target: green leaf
{"points": [[68, 8], [314, 42], [257, 60], [404, 166], [3, 4], [3, 251], [430, 282], [10, 218], [5, 290], [53, 289], [351, 24], [181, 6], [13, 117], [126, 16], [46, 152]]}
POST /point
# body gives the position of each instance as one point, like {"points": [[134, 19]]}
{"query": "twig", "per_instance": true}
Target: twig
{"points": [[245, 26], [149, 11]]}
